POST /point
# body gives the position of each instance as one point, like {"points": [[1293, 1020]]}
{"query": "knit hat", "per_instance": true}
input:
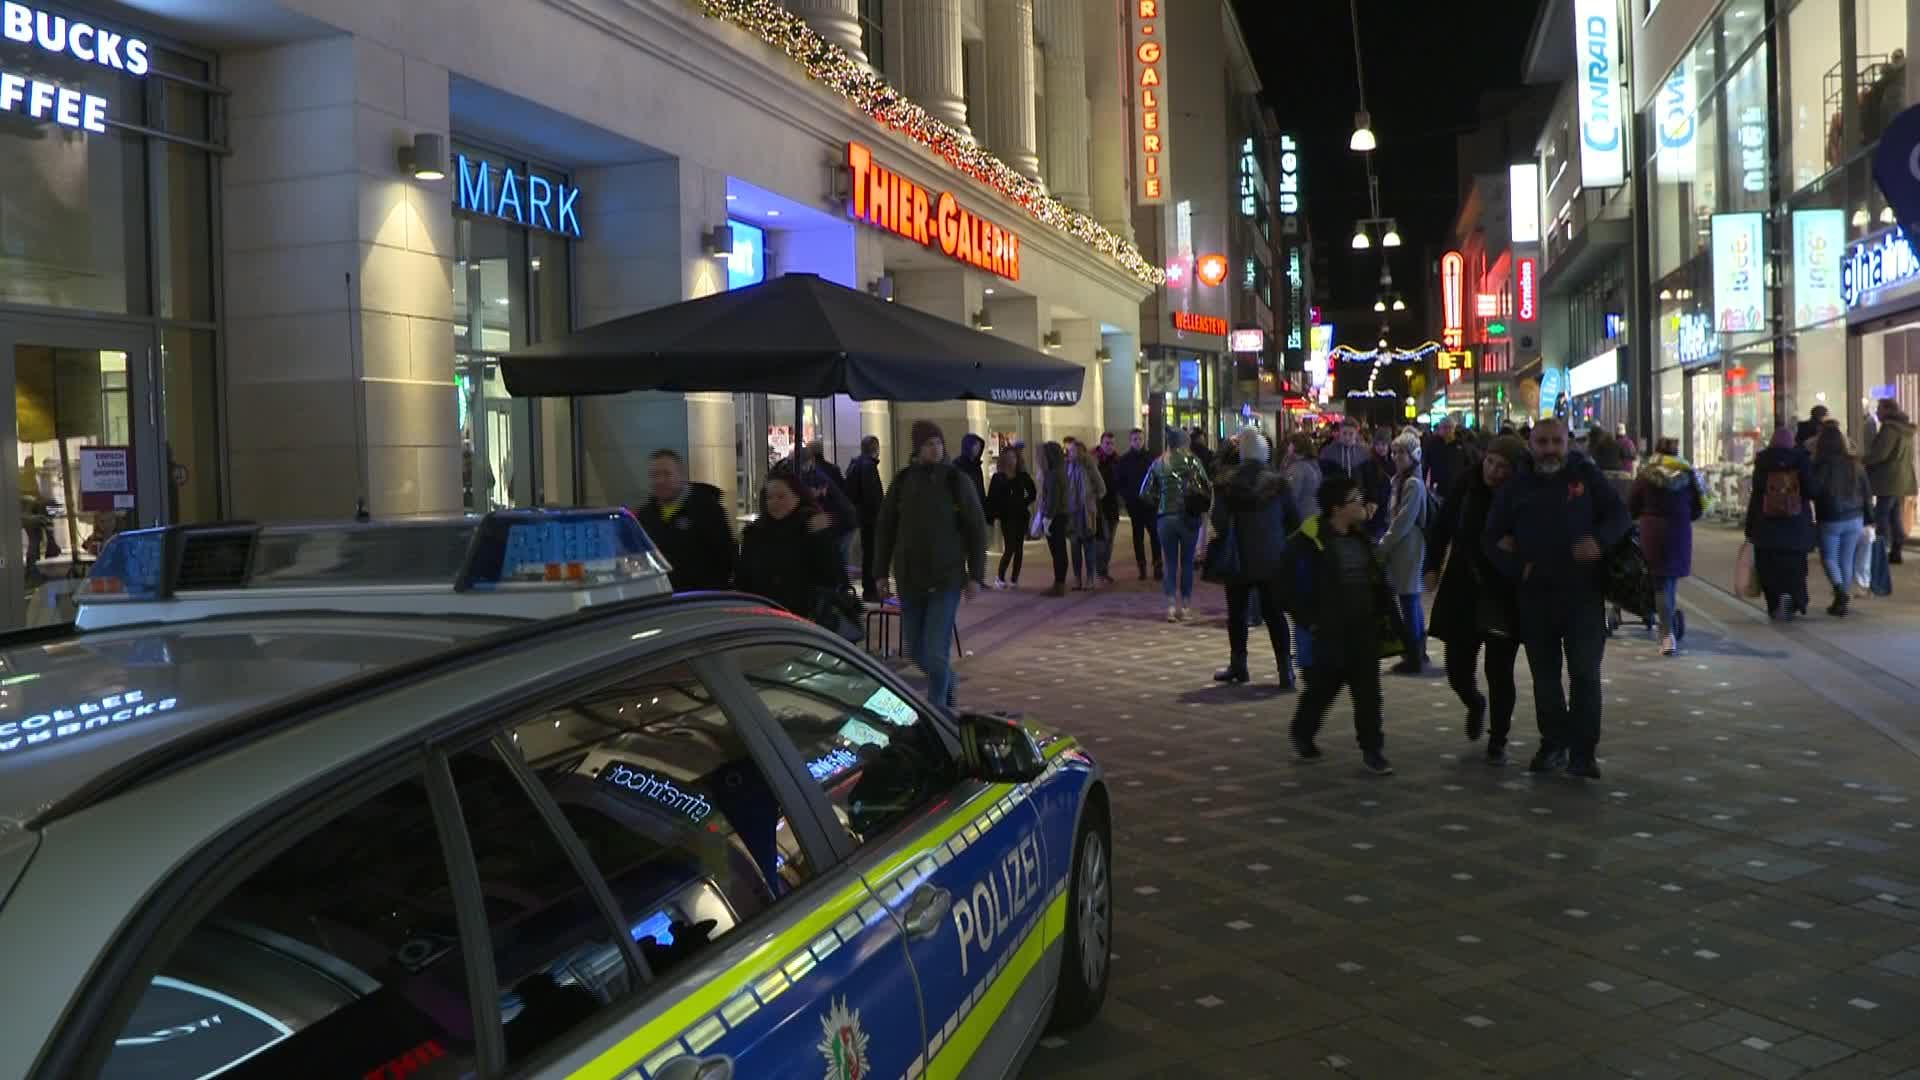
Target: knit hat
{"points": [[924, 430], [1408, 444], [1253, 446], [1176, 439], [1508, 447]]}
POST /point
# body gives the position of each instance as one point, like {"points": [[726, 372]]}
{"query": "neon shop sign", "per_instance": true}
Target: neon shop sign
{"points": [[1874, 264], [524, 199], [38, 99]]}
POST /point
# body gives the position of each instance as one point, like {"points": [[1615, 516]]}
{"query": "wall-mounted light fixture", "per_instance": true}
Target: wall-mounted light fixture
{"points": [[1103, 354], [982, 320], [1052, 339], [426, 157], [719, 241], [839, 183]]}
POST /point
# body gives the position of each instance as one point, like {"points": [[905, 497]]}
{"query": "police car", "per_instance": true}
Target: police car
{"points": [[477, 797]]}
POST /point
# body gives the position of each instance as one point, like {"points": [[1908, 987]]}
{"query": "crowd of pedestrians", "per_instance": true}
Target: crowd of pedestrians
{"points": [[1530, 543]]}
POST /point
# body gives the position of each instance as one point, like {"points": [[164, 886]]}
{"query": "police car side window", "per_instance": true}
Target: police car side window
{"points": [[670, 805], [340, 957], [873, 752]]}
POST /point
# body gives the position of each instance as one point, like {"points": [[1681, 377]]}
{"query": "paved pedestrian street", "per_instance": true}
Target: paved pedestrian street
{"points": [[1739, 896]]}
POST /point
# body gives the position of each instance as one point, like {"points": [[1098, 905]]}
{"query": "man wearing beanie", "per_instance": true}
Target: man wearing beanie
{"points": [[932, 536]]}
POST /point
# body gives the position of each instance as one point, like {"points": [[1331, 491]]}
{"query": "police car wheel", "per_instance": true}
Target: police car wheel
{"points": [[1087, 958]]}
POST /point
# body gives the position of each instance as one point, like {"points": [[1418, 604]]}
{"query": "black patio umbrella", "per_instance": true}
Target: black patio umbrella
{"points": [[794, 336]]}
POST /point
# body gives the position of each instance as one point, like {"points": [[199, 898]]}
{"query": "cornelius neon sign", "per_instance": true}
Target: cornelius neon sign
{"points": [[887, 200], [1529, 283]]}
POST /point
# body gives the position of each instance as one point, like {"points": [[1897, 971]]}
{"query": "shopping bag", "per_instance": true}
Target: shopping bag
{"points": [[1037, 528], [1746, 581], [1863, 560]]}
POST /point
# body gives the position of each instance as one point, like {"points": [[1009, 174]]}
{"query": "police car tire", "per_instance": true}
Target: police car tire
{"points": [[1076, 1003]]}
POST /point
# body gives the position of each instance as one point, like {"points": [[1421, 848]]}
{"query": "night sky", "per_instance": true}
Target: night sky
{"points": [[1426, 65]]}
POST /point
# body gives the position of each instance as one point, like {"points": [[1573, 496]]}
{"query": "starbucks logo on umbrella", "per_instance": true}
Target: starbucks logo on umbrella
{"points": [[843, 1044]]}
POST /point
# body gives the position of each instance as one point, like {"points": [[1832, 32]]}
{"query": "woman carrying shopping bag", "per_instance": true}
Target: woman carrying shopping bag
{"points": [[1665, 502]]}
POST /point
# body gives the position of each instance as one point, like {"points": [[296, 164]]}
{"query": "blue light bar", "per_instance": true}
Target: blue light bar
{"points": [[132, 565], [578, 548]]}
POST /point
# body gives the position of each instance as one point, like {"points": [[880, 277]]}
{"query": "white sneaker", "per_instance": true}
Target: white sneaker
{"points": [[1669, 647], [1186, 614], [1173, 614]]}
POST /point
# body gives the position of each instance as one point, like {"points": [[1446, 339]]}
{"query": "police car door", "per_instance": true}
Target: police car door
{"points": [[959, 862]]}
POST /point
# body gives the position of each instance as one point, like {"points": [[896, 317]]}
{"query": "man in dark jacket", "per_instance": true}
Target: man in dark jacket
{"points": [[1108, 460], [1809, 428], [1256, 510], [1197, 446], [866, 492], [1550, 528], [1129, 476], [932, 533], [1889, 462], [971, 462], [1345, 455], [1337, 589], [688, 523]]}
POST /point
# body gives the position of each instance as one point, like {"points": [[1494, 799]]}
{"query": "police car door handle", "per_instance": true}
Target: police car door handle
{"points": [[927, 911]]}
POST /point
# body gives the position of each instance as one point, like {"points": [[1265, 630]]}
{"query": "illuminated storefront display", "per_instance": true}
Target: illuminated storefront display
{"points": [[1149, 103], [1739, 285], [1246, 341], [1874, 264], [1523, 194], [521, 198], [887, 200], [1696, 340], [1199, 324]]}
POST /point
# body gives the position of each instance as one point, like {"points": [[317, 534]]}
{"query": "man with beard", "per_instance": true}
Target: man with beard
{"points": [[1550, 529]]}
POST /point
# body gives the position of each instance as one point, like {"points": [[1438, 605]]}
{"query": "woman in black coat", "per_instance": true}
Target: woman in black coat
{"points": [[1780, 524], [1010, 505], [1257, 506], [789, 554], [1477, 607]]}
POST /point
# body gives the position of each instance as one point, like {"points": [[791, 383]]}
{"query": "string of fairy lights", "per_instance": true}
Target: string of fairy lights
{"points": [[824, 62]]}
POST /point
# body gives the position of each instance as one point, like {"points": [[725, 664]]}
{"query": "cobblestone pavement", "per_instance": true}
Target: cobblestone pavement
{"points": [[1740, 895]]}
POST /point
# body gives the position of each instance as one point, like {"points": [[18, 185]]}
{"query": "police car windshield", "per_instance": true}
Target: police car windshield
{"points": [[72, 708]]}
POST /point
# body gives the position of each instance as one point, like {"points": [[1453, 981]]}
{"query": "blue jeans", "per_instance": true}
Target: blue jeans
{"points": [[1666, 594], [1840, 550], [1179, 536], [1416, 620], [926, 633]]}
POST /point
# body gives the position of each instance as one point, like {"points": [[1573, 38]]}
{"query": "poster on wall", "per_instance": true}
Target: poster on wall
{"points": [[106, 478], [1819, 238], [1739, 280]]}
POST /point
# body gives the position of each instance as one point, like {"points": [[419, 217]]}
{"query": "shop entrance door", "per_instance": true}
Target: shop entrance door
{"points": [[85, 459]]}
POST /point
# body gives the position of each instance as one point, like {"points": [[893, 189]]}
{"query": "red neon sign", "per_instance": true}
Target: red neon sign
{"points": [[1527, 286], [885, 199], [1453, 270], [1199, 324], [1211, 269]]}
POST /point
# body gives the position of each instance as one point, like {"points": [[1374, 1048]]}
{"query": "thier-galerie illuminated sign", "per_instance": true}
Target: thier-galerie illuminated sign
{"points": [[1453, 268], [522, 198], [1872, 265], [1199, 324], [1529, 288], [1739, 283], [37, 99], [1149, 102], [887, 200], [1819, 236], [1602, 127], [1523, 195]]}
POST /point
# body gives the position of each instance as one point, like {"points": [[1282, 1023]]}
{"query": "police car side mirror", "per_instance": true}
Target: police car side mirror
{"points": [[998, 750]]}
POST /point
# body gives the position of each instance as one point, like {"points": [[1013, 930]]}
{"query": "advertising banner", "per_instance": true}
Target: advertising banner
{"points": [[1819, 243], [1673, 110], [1739, 278], [106, 478], [1599, 116]]}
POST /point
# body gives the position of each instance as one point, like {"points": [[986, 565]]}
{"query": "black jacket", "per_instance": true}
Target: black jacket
{"points": [[1257, 504], [972, 467], [1010, 498], [1346, 626], [1841, 491], [1545, 516], [932, 534], [1475, 599], [697, 542], [864, 488], [1129, 475], [835, 502], [785, 561], [1792, 532]]}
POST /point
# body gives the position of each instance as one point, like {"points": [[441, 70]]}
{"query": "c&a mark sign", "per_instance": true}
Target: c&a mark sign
{"points": [[887, 200]]}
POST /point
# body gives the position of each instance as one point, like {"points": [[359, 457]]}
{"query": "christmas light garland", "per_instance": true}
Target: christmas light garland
{"points": [[1385, 356], [824, 62]]}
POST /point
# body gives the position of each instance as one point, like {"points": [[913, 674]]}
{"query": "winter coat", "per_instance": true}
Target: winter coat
{"points": [[1303, 480], [1085, 492], [1841, 491], [1794, 533], [1545, 516], [1343, 623], [1376, 486], [1256, 504], [932, 533], [1110, 499], [785, 560], [1665, 501], [864, 488], [1010, 498], [1475, 600], [971, 466], [697, 540], [1129, 475], [1405, 545], [1051, 482], [1170, 479], [1341, 460], [835, 502], [1889, 459]]}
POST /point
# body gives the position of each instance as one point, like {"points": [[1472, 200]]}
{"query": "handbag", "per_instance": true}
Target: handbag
{"points": [[1746, 581], [1629, 585], [1037, 528], [1223, 565], [839, 611]]}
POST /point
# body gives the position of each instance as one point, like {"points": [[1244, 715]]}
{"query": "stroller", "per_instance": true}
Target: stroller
{"points": [[1630, 589]]}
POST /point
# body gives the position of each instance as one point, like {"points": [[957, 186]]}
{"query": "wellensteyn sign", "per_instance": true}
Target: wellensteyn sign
{"points": [[1008, 396]]}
